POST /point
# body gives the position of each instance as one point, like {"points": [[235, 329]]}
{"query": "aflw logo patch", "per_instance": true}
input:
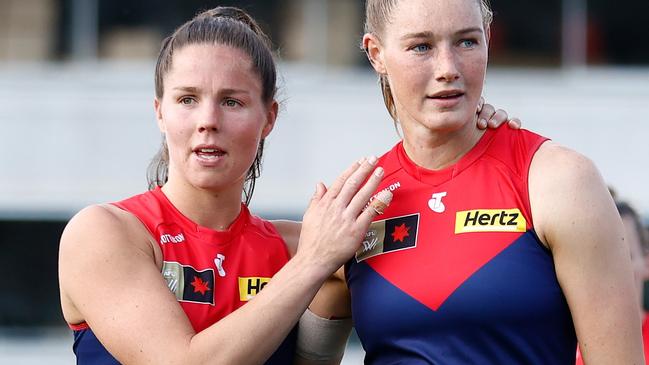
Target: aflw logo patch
{"points": [[249, 287], [490, 220], [188, 284], [389, 235]]}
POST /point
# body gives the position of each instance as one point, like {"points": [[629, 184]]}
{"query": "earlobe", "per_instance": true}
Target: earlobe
{"points": [[374, 52], [271, 117]]}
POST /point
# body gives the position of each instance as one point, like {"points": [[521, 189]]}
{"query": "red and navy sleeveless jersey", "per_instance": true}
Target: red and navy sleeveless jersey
{"points": [[453, 272], [211, 273]]}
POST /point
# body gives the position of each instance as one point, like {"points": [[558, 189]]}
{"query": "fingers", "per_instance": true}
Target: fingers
{"points": [[515, 123], [498, 118], [377, 206], [485, 114], [320, 191], [355, 181], [489, 117], [359, 201], [340, 181]]}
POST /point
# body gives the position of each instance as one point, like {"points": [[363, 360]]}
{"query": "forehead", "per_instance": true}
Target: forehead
{"points": [[439, 16], [198, 63]]}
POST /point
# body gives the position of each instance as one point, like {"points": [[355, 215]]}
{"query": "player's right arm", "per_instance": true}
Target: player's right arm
{"points": [[110, 279]]}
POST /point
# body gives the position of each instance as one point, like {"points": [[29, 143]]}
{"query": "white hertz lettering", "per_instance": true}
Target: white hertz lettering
{"points": [[167, 238], [490, 220]]}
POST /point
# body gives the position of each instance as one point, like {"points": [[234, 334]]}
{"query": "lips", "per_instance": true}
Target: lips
{"points": [[447, 94], [209, 152]]}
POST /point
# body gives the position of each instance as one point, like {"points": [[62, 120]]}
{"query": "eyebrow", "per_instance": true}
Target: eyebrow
{"points": [[428, 34], [195, 90]]}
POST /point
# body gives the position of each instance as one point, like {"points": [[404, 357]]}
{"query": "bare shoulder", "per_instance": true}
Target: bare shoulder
{"points": [[290, 232], [96, 225], [566, 189], [97, 238], [575, 216]]}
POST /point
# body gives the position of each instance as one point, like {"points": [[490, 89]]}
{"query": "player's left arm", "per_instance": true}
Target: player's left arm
{"points": [[574, 215], [325, 327]]}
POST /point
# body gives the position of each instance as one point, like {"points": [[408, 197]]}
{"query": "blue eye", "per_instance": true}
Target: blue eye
{"points": [[186, 100], [468, 43], [421, 48], [231, 103]]}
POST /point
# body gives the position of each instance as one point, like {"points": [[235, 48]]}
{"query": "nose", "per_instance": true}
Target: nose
{"points": [[446, 65], [209, 118]]}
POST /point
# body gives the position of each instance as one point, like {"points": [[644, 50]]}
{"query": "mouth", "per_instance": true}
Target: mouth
{"points": [[209, 153], [447, 95]]}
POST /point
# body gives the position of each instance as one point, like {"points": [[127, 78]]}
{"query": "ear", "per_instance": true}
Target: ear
{"points": [[487, 33], [271, 117], [374, 50], [157, 106]]}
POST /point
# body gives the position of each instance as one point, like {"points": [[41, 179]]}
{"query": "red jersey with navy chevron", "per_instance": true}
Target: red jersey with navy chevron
{"points": [[211, 273], [453, 272]]}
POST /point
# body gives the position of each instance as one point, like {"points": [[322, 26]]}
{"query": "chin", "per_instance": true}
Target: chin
{"points": [[448, 121]]}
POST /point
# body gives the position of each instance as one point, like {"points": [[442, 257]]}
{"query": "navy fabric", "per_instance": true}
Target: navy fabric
{"points": [[90, 351], [511, 311]]}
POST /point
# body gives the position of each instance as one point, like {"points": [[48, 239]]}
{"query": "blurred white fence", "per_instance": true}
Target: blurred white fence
{"points": [[75, 134]]}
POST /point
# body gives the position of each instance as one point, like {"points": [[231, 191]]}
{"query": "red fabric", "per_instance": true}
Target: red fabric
{"points": [[503, 148], [253, 252]]}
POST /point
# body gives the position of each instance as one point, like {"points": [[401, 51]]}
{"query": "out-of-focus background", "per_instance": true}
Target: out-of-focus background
{"points": [[77, 124]]}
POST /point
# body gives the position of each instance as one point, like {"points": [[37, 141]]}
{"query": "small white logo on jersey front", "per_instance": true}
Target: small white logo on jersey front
{"points": [[435, 203], [218, 261], [168, 238]]}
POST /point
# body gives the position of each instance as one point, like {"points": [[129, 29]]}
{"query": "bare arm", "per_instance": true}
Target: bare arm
{"points": [[331, 304], [576, 218], [109, 278]]}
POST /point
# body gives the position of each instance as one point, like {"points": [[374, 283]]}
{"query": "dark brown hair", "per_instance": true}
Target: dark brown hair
{"points": [[377, 14], [227, 26]]}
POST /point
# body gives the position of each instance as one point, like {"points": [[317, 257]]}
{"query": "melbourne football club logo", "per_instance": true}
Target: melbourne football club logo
{"points": [[435, 203], [389, 235]]}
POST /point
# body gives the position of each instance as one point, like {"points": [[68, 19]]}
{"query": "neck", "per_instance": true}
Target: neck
{"points": [[436, 149], [207, 208]]}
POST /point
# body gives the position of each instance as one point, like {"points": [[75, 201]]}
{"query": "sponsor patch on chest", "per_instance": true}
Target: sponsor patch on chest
{"points": [[249, 287], [490, 220], [389, 235]]}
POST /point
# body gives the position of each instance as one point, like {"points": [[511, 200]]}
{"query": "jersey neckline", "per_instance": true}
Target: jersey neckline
{"points": [[438, 177], [211, 235]]}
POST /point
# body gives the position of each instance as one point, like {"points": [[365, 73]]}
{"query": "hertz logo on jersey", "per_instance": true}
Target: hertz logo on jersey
{"points": [[490, 220], [251, 286]]}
